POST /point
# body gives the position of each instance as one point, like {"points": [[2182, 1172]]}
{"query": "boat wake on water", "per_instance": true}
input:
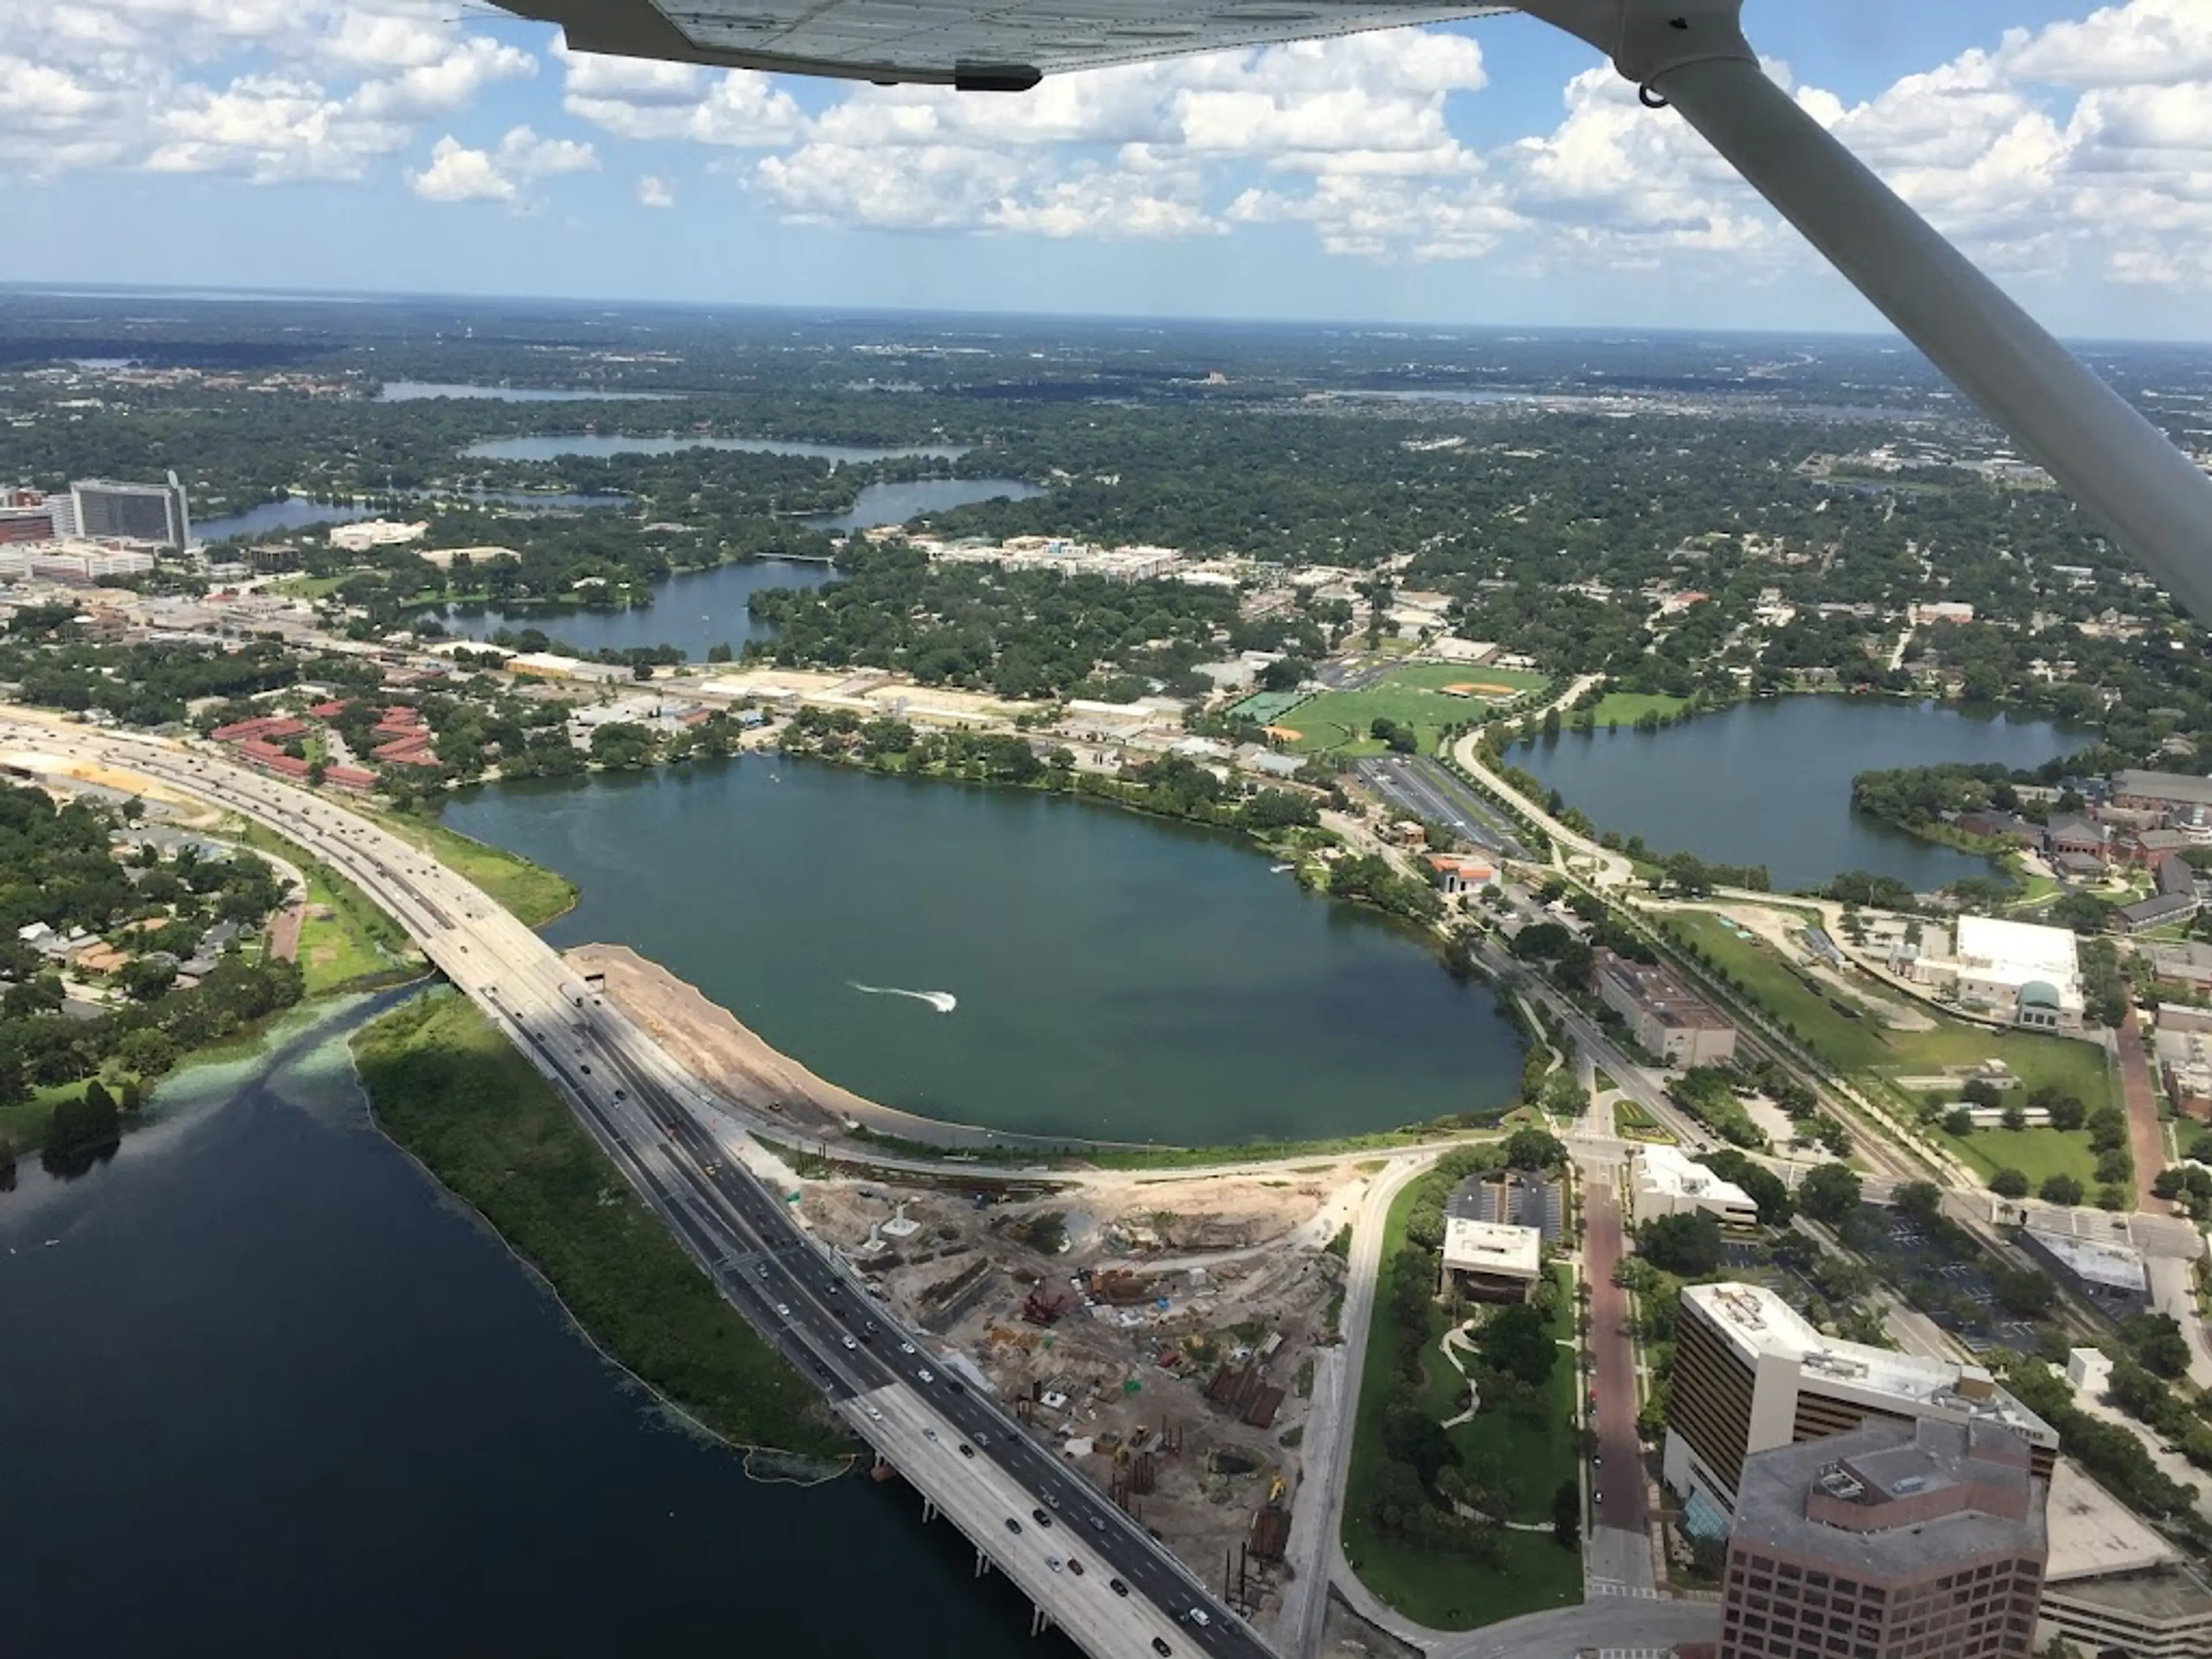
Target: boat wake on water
{"points": [[944, 1001]]}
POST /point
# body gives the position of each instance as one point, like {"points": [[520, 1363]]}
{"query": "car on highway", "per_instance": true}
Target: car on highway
{"points": [[850, 1343], [1117, 1587], [1160, 1646], [874, 1415], [1075, 1566], [967, 1450], [783, 1310], [929, 1434], [1053, 1562], [1012, 1525], [762, 1270], [926, 1375], [619, 1095], [1040, 1517], [906, 1347], [1198, 1618]]}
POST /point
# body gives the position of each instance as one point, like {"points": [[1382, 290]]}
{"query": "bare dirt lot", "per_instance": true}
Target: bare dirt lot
{"points": [[1160, 1332]]}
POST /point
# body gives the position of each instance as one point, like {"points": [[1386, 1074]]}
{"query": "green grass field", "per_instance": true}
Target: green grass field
{"points": [[1445, 1592], [446, 1087], [1627, 708], [1338, 722], [355, 940], [1528, 1463], [1881, 1055], [2034, 1153]]}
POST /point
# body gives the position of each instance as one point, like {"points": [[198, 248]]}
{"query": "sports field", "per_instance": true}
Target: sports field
{"points": [[1426, 695]]}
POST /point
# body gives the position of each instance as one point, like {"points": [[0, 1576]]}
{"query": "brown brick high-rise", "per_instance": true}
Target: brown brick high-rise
{"points": [[1896, 1540]]}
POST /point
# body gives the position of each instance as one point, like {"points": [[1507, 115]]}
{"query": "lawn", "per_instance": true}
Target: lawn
{"points": [[2034, 1153], [450, 1090], [1627, 708], [1445, 1592], [1849, 1044], [1411, 695], [354, 938], [1881, 1056], [1633, 1122], [1529, 1465]]}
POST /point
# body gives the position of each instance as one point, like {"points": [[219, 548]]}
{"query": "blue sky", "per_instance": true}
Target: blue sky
{"points": [[1487, 172]]}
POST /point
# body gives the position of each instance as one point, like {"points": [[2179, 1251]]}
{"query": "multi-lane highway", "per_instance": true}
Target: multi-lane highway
{"points": [[1084, 1563]]}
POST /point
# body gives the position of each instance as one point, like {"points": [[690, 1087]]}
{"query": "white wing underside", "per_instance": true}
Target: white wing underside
{"points": [[994, 46]]}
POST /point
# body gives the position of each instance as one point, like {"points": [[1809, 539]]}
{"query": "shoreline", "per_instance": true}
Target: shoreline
{"points": [[726, 1055]]}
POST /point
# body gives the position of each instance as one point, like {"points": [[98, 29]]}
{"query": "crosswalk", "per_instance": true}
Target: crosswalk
{"points": [[1615, 1587]]}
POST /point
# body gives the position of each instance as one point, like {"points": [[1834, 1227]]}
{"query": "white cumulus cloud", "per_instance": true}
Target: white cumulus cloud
{"points": [[654, 192], [457, 174]]}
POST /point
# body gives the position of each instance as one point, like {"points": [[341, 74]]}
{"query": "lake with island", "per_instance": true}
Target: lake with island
{"points": [[695, 610], [1769, 781], [1116, 977], [275, 1393]]}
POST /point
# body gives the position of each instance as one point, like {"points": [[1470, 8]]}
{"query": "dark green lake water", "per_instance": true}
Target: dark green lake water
{"points": [[1769, 782], [1117, 976], [270, 1393]]}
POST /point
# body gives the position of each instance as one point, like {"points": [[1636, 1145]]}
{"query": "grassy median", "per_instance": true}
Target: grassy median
{"points": [[450, 1090]]}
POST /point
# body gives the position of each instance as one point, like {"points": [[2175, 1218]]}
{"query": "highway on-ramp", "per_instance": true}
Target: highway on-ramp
{"points": [[673, 1141]]}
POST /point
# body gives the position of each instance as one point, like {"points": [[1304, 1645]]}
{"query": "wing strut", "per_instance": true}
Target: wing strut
{"points": [[2153, 498]]}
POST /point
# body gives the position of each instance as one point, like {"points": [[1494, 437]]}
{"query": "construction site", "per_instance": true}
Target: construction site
{"points": [[1160, 1330]]}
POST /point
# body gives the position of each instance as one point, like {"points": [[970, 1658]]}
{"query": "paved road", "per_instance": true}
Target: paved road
{"points": [[2146, 1139], [1620, 1484], [1425, 790], [668, 1136], [1315, 1549]]}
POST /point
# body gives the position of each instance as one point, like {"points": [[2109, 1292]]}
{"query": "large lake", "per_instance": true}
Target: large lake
{"points": [[408, 392], [268, 1392], [1769, 782], [696, 611], [896, 503], [297, 513], [549, 448], [1117, 977]]}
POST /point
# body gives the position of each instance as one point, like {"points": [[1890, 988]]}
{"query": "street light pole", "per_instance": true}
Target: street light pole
{"points": [[1691, 55]]}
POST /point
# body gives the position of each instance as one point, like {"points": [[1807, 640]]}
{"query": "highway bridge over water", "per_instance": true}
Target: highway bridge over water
{"points": [[1085, 1566]]}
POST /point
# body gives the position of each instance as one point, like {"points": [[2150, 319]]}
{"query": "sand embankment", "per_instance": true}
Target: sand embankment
{"points": [[715, 1046]]}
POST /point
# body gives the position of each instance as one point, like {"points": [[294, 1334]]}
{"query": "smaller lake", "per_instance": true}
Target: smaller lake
{"points": [[547, 449], [1769, 782], [696, 611], [895, 503], [409, 392]]}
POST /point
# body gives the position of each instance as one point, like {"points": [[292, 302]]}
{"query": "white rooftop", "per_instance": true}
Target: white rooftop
{"points": [[2091, 1536], [2017, 953], [2099, 1262], [1668, 1169], [1760, 1323], [1490, 1247]]}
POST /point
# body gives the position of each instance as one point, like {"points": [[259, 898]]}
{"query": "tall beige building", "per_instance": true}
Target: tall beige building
{"points": [[1751, 1375], [1921, 1540]]}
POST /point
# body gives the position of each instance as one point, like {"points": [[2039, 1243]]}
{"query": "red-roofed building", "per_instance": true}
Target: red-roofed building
{"points": [[263, 753], [331, 710], [350, 777], [272, 727], [412, 750], [397, 719], [1456, 874]]}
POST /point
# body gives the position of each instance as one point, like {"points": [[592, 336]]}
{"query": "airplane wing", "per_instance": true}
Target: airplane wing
{"points": [[990, 45]]}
